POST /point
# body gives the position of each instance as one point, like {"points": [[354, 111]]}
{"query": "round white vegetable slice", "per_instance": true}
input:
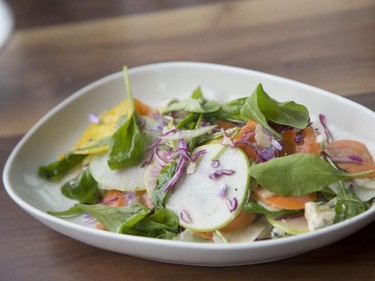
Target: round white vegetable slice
{"points": [[129, 179], [211, 196], [291, 225]]}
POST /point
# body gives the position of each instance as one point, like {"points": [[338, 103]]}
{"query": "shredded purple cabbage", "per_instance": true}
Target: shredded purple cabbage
{"points": [[223, 191], [299, 137], [232, 204], [184, 215], [347, 159], [215, 163], [327, 132], [93, 118], [220, 173]]}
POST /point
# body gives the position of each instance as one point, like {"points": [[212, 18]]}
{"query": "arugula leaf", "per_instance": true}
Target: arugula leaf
{"points": [[195, 104], [84, 188], [56, 170], [297, 174], [159, 196], [127, 144], [162, 224], [116, 219], [348, 204]]}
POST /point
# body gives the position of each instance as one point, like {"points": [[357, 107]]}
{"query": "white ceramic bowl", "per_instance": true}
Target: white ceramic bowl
{"points": [[56, 132], [6, 22]]}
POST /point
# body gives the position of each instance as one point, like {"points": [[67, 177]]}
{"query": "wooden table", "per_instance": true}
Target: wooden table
{"points": [[60, 46]]}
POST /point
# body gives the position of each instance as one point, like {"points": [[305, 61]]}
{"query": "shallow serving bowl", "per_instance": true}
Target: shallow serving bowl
{"points": [[56, 132]]}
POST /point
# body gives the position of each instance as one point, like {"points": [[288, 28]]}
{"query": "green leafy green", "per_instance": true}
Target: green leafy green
{"points": [[162, 224], [261, 107], [159, 196], [287, 113], [254, 207], [297, 174], [72, 211], [230, 110], [348, 204], [56, 170], [195, 104], [189, 119], [116, 219], [84, 188], [127, 144]]}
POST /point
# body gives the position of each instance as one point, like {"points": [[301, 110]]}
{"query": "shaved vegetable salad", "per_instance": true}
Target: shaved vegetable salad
{"points": [[198, 170]]}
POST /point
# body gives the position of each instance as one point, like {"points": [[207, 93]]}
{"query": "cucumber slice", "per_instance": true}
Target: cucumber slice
{"points": [[199, 201], [291, 225]]}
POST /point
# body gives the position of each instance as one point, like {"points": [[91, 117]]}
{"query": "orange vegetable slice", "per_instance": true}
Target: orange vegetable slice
{"points": [[352, 147], [307, 143], [283, 202]]}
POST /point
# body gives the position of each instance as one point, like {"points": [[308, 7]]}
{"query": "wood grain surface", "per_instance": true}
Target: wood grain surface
{"points": [[64, 45]]}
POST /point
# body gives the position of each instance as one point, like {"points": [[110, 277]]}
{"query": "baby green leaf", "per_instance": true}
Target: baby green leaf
{"points": [[261, 107], [84, 188], [348, 204], [56, 170], [115, 219], [297, 174], [159, 196], [287, 113], [127, 144], [251, 110], [162, 224], [196, 104]]}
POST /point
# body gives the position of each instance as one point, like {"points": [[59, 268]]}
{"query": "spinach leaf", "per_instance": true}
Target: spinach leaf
{"points": [[287, 113], [261, 107], [348, 204], [230, 110], [159, 196], [84, 188], [297, 174], [251, 110], [195, 104], [162, 224], [127, 144], [116, 219], [72, 211], [56, 170]]}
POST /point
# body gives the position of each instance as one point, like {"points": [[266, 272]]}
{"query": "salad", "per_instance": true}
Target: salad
{"points": [[198, 170]]}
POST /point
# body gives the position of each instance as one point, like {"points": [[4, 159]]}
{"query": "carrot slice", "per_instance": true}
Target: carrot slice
{"points": [[225, 124], [248, 128], [306, 144], [144, 109], [283, 202], [242, 220], [350, 147]]}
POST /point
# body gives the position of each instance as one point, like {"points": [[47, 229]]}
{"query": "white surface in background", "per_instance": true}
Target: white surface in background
{"points": [[6, 22]]}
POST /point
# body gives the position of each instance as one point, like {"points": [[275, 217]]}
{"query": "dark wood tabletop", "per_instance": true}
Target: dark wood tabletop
{"points": [[60, 46]]}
